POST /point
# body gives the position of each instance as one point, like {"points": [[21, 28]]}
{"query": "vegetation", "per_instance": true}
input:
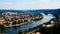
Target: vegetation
{"points": [[51, 30], [38, 19], [1, 26], [21, 32]]}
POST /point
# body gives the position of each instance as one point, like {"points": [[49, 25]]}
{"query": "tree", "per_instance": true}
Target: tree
{"points": [[1, 26], [16, 21], [19, 21], [21, 32]]}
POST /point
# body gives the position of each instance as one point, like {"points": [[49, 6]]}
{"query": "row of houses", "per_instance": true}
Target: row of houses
{"points": [[9, 16]]}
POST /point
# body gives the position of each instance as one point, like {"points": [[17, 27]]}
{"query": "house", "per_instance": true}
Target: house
{"points": [[2, 21], [37, 33]]}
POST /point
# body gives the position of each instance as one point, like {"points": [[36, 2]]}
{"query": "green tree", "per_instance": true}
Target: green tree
{"points": [[16, 21], [21, 32], [2, 26]]}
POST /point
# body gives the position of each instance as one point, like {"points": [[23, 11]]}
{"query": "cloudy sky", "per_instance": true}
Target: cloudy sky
{"points": [[29, 4]]}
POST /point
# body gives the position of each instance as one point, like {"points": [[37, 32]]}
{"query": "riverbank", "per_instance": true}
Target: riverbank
{"points": [[32, 30], [24, 22], [16, 24]]}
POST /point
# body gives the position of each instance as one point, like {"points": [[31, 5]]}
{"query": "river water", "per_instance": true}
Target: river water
{"points": [[14, 30]]}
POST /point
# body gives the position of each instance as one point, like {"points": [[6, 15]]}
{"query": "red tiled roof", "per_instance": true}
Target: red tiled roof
{"points": [[2, 21]]}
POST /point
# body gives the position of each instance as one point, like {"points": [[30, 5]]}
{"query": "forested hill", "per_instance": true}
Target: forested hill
{"points": [[52, 11]]}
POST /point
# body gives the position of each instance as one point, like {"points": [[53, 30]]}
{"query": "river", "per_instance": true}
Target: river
{"points": [[14, 30]]}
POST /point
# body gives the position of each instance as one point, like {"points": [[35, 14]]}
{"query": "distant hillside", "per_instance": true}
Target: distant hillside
{"points": [[51, 11], [18, 11]]}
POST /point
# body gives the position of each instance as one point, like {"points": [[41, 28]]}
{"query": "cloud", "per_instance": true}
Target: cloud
{"points": [[31, 4], [4, 5], [44, 0]]}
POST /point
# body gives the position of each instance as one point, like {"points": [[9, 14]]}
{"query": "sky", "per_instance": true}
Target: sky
{"points": [[29, 4]]}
